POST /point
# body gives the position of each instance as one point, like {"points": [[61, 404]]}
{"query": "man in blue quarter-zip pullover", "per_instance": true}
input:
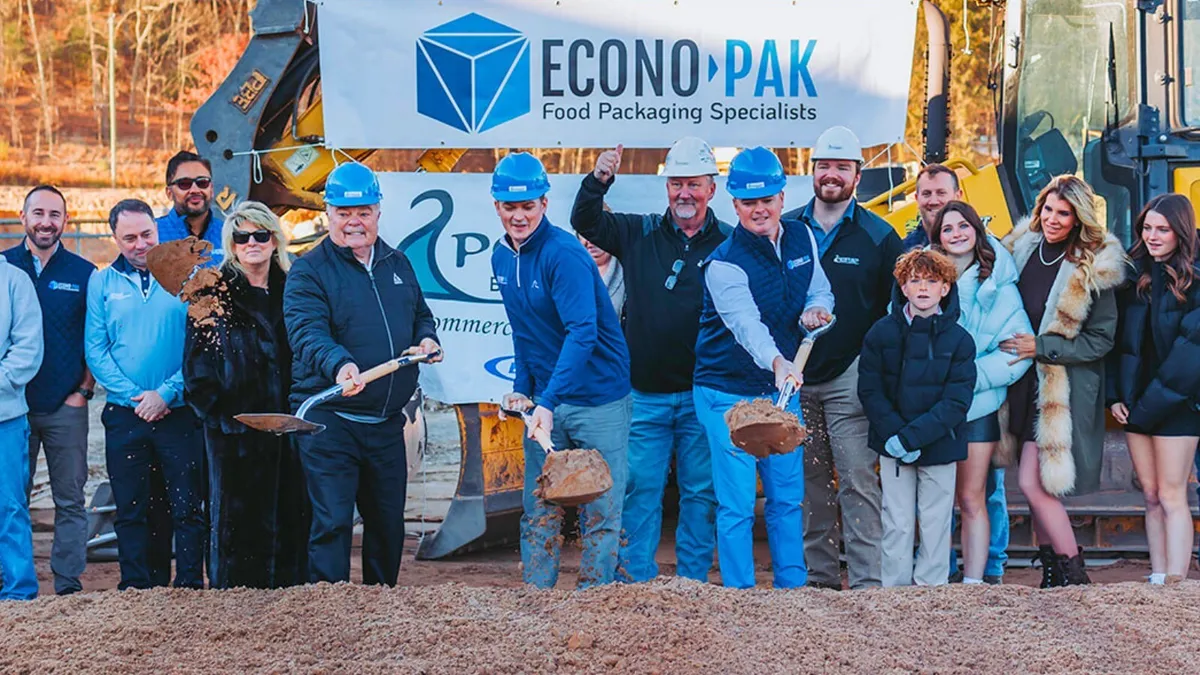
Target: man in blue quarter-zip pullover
{"points": [[133, 343], [190, 189], [352, 303], [572, 369], [760, 286]]}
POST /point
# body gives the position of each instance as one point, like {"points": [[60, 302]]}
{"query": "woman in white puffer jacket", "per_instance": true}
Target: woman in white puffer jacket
{"points": [[991, 311]]}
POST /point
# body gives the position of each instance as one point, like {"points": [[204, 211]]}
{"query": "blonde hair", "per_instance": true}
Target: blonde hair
{"points": [[254, 213], [1089, 233]]}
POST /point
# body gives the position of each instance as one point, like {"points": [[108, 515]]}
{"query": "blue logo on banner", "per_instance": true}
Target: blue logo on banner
{"points": [[503, 367], [473, 73]]}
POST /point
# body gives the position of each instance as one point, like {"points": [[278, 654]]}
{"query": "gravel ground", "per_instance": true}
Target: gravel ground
{"points": [[665, 627]]}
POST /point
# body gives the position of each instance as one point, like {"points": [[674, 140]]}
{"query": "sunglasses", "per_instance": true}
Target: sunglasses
{"points": [[676, 268], [260, 236], [186, 183]]}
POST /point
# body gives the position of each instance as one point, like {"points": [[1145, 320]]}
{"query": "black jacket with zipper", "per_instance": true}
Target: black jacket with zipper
{"points": [[338, 312], [661, 324], [859, 265]]}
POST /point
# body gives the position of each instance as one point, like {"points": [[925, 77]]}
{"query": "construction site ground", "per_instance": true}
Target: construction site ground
{"points": [[471, 614]]}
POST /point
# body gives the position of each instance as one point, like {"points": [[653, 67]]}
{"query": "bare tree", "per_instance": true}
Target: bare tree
{"points": [[44, 95]]}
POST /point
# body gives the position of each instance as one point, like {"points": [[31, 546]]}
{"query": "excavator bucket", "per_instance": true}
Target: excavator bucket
{"points": [[486, 508]]}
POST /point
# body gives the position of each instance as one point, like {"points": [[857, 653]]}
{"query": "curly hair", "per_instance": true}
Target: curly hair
{"points": [[1089, 233], [985, 255], [1179, 214], [925, 263]]}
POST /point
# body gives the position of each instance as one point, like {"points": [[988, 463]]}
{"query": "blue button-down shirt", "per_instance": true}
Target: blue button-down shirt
{"points": [[825, 238]]}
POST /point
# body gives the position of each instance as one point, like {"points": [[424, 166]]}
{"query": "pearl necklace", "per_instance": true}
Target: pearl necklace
{"points": [[1042, 255]]}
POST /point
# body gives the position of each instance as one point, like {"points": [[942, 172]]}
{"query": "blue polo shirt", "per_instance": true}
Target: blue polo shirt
{"points": [[62, 294], [172, 227]]}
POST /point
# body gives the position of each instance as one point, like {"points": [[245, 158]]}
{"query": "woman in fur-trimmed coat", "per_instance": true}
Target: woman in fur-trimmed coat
{"points": [[1070, 268]]}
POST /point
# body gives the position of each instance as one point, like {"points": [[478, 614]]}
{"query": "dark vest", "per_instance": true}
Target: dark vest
{"points": [[780, 290]]}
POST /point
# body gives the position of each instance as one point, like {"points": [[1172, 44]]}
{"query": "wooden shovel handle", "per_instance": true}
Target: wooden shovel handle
{"points": [[387, 368], [802, 354], [543, 438]]}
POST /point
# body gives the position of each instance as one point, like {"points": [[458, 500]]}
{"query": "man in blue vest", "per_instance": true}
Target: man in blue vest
{"points": [[133, 342], [761, 286], [58, 396], [190, 189], [572, 368]]}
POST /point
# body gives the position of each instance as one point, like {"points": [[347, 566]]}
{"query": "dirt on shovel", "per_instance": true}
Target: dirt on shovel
{"points": [[762, 430], [573, 477]]}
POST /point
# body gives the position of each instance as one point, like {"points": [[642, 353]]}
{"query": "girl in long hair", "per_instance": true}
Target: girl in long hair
{"points": [[1154, 377], [1070, 268], [991, 310]]}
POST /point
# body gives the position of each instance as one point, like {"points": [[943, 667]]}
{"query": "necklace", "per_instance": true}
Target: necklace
{"points": [[1042, 255]]}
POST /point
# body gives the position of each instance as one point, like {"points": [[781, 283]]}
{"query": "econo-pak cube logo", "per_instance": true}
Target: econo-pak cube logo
{"points": [[473, 73]]}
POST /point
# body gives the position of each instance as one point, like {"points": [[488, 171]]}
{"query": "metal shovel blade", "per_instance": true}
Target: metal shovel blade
{"points": [[279, 423]]}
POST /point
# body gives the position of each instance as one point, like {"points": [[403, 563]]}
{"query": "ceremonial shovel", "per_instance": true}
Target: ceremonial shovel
{"points": [[281, 423]]}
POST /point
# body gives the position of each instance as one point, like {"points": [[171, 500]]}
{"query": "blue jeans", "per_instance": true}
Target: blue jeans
{"points": [[16, 531], [662, 424], [605, 428], [734, 478], [997, 510]]}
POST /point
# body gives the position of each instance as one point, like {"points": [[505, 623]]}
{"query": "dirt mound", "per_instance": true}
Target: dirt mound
{"points": [[761, 429], [573, 477], [665, 627]]}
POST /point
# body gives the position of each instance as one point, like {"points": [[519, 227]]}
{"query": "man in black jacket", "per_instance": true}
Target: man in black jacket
{"points": [[661, 256], [858, 252], [351, 303]]}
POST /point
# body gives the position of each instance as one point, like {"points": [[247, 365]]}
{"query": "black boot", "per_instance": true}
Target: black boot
{"points": [[1052, 568], [1075, 569]]}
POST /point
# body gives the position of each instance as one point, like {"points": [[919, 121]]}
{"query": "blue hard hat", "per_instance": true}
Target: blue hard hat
{"points": [[352, 184], [519, 177], [755, 173]]}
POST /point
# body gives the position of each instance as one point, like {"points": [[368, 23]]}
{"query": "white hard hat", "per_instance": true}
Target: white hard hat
{"points": [[690, 156], [837, 143]]}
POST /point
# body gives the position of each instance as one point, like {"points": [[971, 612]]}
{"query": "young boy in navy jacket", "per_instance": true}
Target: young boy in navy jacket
{"points": [[916, 379]]}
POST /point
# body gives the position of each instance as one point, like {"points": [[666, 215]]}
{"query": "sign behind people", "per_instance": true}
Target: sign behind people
{"points": [[594, 73]]}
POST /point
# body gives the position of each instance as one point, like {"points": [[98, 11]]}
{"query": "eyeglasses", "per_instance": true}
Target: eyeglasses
{"points": [[186, 183], [676, 268], [242, 237]]}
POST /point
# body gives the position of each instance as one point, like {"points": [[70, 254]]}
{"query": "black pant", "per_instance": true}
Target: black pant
{"points": [[349, 461], [134, 447]]}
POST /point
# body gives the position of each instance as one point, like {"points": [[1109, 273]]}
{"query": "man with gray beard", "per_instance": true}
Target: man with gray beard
{"points": [[661, 256]]}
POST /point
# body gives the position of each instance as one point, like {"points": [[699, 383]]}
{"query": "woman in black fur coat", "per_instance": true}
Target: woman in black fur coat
{"points": [[237, 361]]}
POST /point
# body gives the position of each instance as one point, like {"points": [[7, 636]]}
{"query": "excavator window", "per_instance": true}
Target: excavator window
{"points": [[1190, 28], [1064, 101]]}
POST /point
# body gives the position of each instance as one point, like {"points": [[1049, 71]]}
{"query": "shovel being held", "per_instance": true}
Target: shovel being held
{"points": [[569, 477], [281, 423], [762, 428]]}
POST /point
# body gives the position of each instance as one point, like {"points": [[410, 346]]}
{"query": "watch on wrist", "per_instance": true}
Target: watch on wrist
{"points": [[86, 393]]}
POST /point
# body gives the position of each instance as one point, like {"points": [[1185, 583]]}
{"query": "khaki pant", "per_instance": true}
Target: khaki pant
{"points": [[838, 428], [916, 496]]}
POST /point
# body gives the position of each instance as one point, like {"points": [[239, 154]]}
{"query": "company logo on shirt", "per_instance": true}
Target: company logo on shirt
{"points": [[844, 260], [63, 286], [396, 279], [798, 262], [536, 286], [501, 280], [119, 295]]}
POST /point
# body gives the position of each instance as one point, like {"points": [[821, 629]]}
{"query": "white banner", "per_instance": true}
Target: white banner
{"points": [[595, 73], [446, 224]]}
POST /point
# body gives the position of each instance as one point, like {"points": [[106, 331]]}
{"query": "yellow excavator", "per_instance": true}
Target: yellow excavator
{"points": [[1104, 90]]}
